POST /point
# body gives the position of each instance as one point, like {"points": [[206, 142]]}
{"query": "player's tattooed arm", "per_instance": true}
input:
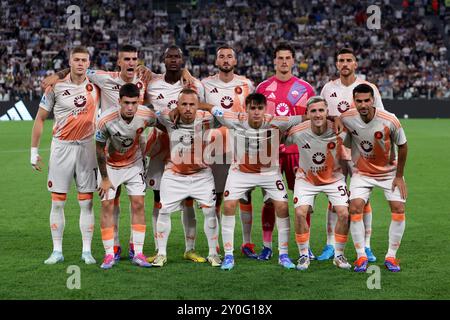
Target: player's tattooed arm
{"points": [[187, 79], [106, 184], [52, 79], [399, 180], [144, 73]]}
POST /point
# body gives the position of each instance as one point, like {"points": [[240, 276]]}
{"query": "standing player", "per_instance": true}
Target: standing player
{"points": [[228, 90], [255, 164], [74, 101], [339, 96], [186, 175], [286, 96], [119, 131], [163, 91], [319, 171], [371, 135]]}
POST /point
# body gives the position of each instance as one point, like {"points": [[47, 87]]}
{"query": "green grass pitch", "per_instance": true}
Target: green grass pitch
{"points": [[25, 240]]}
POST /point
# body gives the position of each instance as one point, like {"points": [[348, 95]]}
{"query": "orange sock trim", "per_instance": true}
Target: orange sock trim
{"points": [[59, 196], [356, 217], [107, 233], [246, 207], [367, 208], [158, 205], [341, 238], [85, 196], [189, 203], [398, 217], [301, 238], [117, 202], [138, 227]]}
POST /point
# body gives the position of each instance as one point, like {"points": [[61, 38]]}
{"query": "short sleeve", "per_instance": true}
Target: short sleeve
{"points": [[48, 99]]}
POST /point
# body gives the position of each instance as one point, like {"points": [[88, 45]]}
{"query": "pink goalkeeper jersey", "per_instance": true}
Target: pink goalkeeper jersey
{"points": [[286, 98]]}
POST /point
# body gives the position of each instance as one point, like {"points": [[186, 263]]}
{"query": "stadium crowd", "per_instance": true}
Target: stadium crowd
{"points": [[407, 57]]}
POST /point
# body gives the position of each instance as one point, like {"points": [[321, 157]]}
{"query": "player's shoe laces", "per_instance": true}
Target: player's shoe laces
{"points": [[131, 251], [55, 257], [88, 258], [341, 262], [392, 264], [117, 252], [194, 256], [303, 262], [141, 261], [361, 264], [311, 254], [248, 249], [285, 261], [327, 253], [214, 260], [228, 262], [159, 261], [108, 262], [370, 255], [265, 254]]}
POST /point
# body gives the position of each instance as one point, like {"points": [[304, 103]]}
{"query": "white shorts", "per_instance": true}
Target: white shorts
{"points": [[238, 183], [177, 187], [220, 173], [132, 178], [72, 160], [154, 173], [361, 187], [305, 193]]}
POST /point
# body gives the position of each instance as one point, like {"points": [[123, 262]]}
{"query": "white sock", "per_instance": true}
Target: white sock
{"points": [[87, 222], [138, 234], [367, 218], [189, 227], [283, 226], [396, 230], [108, 240], [228, 224], [163, 228], [116, 214], [332, 219], [156, 207], [210, 226], [357, 231], [57, 223], [246, 222]]}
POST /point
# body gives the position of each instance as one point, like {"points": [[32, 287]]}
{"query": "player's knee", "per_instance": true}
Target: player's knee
{"points": [[108, 205], [301, 212], [137, 206], [398, 207], [229, 207], [282, 209], [355, 208], [342, 213]]}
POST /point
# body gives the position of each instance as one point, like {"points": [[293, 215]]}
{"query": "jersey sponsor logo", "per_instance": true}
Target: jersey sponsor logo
{"points": [[306, 146], [367, 146], [116, 87], [378, 135], [214, 90], [172, 104], [271, 96], [79, 101], [282, 109], [318, 158], [66, 93], [333, 95], [331, 145], [238, 90], [89, 87], [343, 106], [187, 139], [226, 102], [127, 142], [160, 97], [139, 85]]}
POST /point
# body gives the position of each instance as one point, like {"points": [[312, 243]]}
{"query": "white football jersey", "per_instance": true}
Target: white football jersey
{"points": [[340, 97], [109, 84], [229, 95], [164, 95]]}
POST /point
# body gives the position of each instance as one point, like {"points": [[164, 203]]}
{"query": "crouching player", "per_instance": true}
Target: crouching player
{"points": [[119, 131], [319, 171]]}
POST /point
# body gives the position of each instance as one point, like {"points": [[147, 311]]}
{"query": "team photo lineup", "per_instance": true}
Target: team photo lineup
{"points": [[322, 143]]}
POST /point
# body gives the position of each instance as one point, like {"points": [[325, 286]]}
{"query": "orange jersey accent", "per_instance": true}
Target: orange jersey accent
{"points": [[372, 143], [75, 108]]}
